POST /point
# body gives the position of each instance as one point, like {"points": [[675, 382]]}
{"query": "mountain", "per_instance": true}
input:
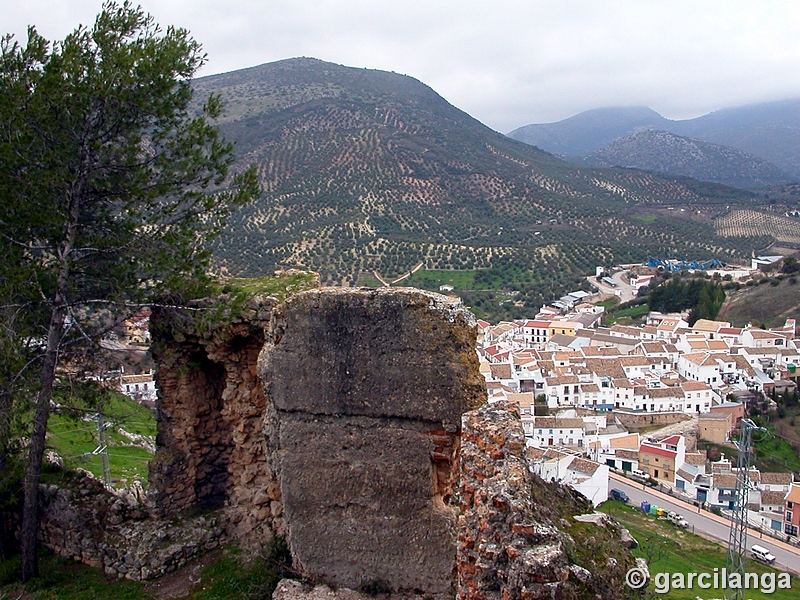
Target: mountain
{"points": [[769, 131], [589, 131], [368, 173], [664, 152]]}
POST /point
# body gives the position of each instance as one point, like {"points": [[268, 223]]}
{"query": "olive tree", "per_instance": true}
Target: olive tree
{"points": [[111, 181]]}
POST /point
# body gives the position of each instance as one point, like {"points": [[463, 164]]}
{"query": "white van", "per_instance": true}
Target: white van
{"points": [[641, 475], [762, 554], [677, 520]]}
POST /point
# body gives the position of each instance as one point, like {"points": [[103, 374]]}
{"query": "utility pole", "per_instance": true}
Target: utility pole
{"points": [[102, 449], [737, 541]]}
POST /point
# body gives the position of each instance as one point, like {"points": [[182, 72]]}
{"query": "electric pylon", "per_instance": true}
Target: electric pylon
{"points": [[102, 449], [737, 541]]}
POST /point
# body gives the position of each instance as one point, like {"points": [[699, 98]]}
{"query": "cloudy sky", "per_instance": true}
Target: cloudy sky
{"points": [[506, 62]]}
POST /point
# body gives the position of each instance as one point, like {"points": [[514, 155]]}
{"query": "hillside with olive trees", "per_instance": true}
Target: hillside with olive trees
{"points": [[369, 174]]}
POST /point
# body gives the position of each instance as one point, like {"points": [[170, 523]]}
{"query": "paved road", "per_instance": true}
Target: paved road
{"points": [[624, 291], [115, 346], [708, 525]]}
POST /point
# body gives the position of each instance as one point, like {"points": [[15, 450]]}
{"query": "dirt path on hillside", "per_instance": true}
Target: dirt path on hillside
{"points": [[179, 583]]}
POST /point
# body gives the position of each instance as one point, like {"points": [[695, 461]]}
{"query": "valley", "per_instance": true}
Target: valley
{"points": [[370, 172]]}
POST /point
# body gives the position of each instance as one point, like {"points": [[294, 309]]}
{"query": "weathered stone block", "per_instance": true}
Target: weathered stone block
{"points": [[369, 388], [380, 353]]}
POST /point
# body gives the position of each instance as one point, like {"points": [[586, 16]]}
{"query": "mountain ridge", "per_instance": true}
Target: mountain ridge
{"points": [[372, 172], [588, 131], [769, 131], [665, 152]]}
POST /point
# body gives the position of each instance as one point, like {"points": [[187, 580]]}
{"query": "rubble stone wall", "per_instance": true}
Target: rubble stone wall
{"points": [[516, 538], [82, 520], [211, 447]]}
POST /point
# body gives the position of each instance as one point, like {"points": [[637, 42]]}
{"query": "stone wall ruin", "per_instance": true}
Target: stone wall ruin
{"points": [[335, 418], [343, 435], [211, 452]]}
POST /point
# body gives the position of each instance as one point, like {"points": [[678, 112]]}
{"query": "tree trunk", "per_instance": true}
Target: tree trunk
{"points": [[30, 510], [55, 332], [3, 532], [5, 431]]}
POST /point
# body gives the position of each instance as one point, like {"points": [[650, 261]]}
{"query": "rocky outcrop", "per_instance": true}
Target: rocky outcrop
{"points": [[513, 539], [368, 389]]}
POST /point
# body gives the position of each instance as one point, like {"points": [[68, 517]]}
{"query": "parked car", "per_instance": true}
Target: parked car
{"points": [[762, 554], [618, 495], [677, 520], [640, 475]]}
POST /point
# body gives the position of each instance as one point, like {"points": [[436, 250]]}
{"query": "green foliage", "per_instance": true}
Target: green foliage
{"points": [[703, 297], [504, 292], [540, 408], [106, 177], [790, 265], [111, 186]]}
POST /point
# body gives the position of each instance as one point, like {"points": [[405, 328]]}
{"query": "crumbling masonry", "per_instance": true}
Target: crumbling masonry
{"points": [[334, 419]]}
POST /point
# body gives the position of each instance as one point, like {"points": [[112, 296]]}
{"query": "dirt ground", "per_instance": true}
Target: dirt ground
{"points": [[178, 584], [688, 429]]}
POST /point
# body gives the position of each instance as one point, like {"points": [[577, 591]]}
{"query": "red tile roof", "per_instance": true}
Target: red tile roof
{"points": [[793, 495], [657, 451]]}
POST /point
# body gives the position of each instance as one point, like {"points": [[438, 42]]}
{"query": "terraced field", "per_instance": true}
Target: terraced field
{"points": [[749, 223], [370, 172]]}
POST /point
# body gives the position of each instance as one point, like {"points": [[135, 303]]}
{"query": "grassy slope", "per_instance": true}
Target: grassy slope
{"points": [[76, 440], [674, 550], [766, 303]]}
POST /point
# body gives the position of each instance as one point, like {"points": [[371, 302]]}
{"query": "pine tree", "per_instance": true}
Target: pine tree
{"points": [[111, 182]]}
